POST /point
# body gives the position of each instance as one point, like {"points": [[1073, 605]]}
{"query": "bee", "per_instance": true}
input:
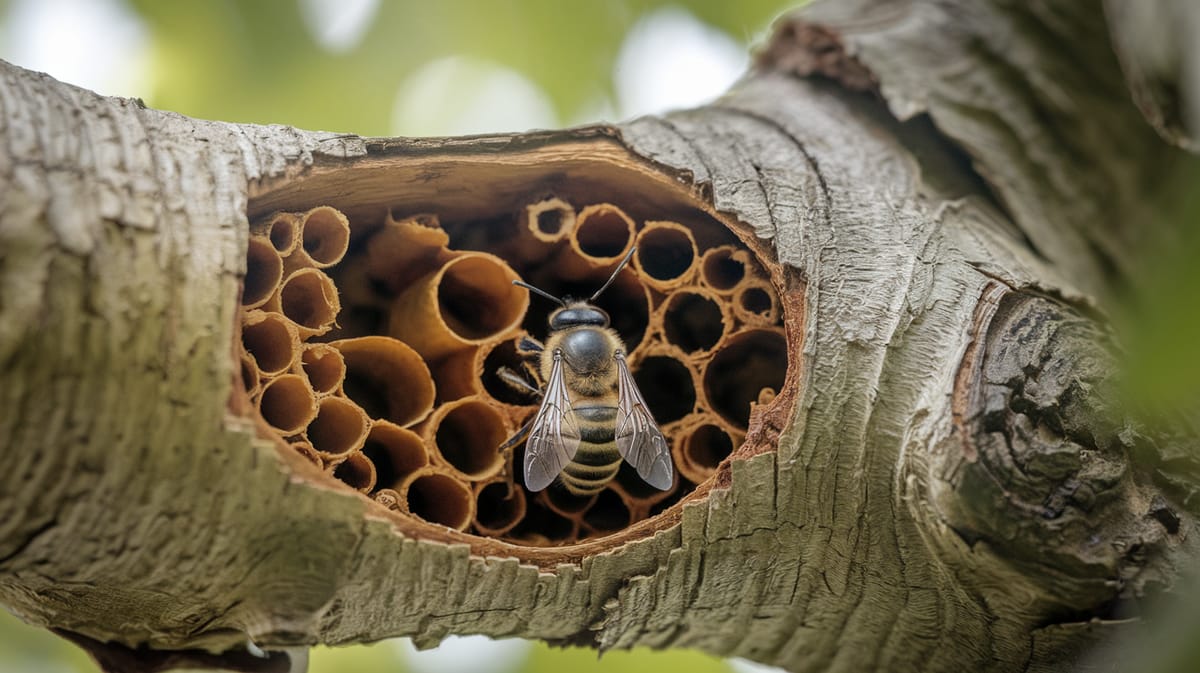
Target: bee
{"points": [[592, 414]]}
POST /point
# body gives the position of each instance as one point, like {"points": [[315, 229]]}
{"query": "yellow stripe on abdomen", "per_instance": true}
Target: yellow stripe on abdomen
{"points": [[597, 460]]}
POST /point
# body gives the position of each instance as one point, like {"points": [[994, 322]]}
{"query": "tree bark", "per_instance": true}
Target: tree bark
{"points": [[945, 194]]}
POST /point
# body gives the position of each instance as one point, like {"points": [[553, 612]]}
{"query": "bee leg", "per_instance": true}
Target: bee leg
{"points": [[516, 381], [529, 345], [506, 449]]}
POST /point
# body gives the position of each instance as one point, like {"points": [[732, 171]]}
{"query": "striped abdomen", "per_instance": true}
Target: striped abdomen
{"points": [[596, 461]]}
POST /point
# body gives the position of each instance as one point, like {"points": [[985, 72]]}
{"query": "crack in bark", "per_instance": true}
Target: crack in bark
{"points": [[795, 142]]}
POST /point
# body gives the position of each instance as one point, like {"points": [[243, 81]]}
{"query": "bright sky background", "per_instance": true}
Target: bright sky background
{"points": [[668, 60]]}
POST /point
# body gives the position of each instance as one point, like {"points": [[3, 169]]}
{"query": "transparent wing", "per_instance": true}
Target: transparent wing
{"points": [[553, 435], [638, 438]]}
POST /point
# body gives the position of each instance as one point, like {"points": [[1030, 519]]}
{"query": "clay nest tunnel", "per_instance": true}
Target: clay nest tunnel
{"points": [[374, 320]]}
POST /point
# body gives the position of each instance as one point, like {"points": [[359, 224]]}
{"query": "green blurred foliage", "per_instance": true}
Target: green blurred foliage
{"points": [[257, 61], [542, 658], [1159, 318], [381, 656], [28, 649], [545, 659]]}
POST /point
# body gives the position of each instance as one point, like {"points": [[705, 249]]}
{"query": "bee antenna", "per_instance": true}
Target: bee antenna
{"points": [[613, 277], [545, 294]]}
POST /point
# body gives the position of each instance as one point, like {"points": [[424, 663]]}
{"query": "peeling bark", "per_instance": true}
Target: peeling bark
{"points": [[945, 195]]}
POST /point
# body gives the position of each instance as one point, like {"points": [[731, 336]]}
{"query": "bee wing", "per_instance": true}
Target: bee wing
{"points": [[554, 434], [638, 438]]}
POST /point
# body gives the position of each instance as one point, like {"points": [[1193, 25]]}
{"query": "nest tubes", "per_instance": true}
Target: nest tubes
{"points": [[373, 349]]}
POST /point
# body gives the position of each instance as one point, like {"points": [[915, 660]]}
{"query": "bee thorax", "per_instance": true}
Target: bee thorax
{"points": [[587, 351]]}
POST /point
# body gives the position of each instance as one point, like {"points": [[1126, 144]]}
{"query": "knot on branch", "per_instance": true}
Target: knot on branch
{"points": [[1053, 474]]}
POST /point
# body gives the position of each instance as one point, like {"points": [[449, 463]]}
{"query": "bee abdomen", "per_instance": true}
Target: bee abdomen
{"points": [[584, 479], [597, 460]]}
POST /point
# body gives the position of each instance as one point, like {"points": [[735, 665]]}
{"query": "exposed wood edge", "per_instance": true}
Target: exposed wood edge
{"points": [[965, 396]]}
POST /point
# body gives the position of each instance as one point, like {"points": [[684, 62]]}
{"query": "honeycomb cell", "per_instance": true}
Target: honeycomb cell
{"points": [[250, 374], [602, 234], [468, 301], [264, 272], [356, 471], [666, 255], [668, 386], [324, 238], [754, 303], [542, 527], [750, 361], [283, 230], [693, 320], [703, 449], [724, 267], [387, 379], [498, 508], [467, 434], [404, 250], [389, 499], [457, 375], [324, 366], [287, 404], [309, 299], [396, 452], [271, 339], [609, 513], [339, 428], [548, 220], [438, 498], [305, 449]]}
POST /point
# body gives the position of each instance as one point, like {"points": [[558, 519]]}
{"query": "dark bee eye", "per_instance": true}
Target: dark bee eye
{"points": [[578, 316]]}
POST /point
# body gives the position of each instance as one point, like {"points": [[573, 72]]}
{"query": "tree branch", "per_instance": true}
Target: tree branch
{"points": [[941, 482]]}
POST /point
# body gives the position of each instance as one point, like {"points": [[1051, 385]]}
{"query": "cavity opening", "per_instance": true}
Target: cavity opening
{"points": [[668, 387], [693, 321], [751, 360]]}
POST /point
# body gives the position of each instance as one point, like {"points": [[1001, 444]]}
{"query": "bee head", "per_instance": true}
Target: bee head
{"points": [[578, 314]]}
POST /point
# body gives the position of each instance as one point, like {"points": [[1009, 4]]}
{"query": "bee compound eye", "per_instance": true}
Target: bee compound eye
{"points": [[579, 317]]}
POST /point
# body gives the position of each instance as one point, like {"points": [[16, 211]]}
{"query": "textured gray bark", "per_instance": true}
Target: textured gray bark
{"points": [[948, 193]]}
